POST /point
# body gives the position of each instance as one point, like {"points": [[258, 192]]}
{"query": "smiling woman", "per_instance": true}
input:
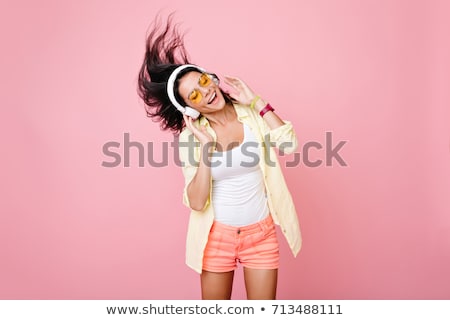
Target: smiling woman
{"points": [[236, 205]]}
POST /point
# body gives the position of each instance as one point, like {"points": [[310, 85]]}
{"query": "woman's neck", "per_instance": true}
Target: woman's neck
{"points": [[223, 116]]}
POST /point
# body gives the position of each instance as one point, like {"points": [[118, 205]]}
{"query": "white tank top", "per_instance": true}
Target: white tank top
{"points": [[238, 191]]}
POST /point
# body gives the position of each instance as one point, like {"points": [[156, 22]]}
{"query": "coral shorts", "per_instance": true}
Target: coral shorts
{"points": [[254, 246]]}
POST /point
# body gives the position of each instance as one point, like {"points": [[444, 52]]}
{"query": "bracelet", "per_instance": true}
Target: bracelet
{"points": [[255, 99], [266, 109]]}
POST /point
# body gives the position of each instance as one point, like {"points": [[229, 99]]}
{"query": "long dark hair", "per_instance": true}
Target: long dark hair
{"points": [[164, 52]]}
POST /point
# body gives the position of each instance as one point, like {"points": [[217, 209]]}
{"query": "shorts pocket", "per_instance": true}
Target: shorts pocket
{"points": [[265, 241]]}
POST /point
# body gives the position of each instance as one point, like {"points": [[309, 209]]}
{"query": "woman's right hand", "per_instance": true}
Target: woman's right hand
{"points": [[201, 134]]}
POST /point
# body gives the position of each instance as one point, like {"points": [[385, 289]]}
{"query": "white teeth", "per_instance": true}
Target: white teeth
{"points": [[212, 97]]}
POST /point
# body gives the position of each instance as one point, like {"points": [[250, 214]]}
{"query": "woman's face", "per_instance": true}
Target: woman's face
{"points": [[200, 92]]}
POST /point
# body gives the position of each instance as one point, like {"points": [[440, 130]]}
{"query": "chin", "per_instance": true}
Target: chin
{"points": [[218, 102]]}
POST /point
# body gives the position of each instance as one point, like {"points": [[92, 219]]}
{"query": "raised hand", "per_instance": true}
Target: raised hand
{"points": [[201, 134], [243, 94]]}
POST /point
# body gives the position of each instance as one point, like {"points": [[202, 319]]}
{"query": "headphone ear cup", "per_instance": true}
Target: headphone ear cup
{"points": [[191, 112]]}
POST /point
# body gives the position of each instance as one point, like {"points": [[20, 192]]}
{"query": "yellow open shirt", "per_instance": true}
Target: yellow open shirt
{"points": [[279, 198]]}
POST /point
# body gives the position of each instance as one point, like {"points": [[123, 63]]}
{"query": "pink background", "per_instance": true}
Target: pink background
{"points": [[375, 73]]}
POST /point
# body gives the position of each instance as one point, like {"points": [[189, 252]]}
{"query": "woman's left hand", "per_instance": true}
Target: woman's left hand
{"points": [[243, 94]]}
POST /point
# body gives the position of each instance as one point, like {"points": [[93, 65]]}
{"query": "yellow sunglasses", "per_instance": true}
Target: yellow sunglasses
{"points": [[204, 81]]}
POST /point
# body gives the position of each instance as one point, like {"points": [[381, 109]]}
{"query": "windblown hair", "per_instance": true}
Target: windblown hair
{"points": [[164, 52]]}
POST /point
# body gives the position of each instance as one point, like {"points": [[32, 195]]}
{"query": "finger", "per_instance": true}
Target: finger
{"points": [[232, 79], [234, 82], [188, 121], [234, 96]]}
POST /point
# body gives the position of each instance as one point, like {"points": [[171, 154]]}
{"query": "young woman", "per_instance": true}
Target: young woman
{"points": [[234, 185]]}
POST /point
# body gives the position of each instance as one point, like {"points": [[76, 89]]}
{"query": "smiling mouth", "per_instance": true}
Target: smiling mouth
{"points": [[214, 95]]}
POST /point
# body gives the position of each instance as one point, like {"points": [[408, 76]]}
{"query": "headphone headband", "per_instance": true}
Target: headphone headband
{"points": [[170, 90]]}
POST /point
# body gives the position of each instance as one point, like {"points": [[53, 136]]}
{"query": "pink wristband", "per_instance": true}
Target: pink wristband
{"points": [[266, 109]]}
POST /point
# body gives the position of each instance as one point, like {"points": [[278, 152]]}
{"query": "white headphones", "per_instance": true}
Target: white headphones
{"points": [[191, 112]]}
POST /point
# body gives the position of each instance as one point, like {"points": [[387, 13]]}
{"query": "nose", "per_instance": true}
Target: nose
{"points": [[206, 91]]}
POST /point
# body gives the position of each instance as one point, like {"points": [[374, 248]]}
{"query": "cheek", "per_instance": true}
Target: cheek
{"points": [[222, 97]]}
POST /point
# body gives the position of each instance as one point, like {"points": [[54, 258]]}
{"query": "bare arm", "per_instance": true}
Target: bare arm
{"points": [[199, 188], [271, 118]]}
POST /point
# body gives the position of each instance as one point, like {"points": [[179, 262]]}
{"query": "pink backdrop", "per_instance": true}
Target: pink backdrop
{"points": [[374, 73]]}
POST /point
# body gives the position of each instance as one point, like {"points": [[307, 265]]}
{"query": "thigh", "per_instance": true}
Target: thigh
{"points": [[261, 284], [216, 285]]}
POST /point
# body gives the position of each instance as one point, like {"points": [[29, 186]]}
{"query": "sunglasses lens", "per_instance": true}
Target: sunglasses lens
{"points": [[195, 96], [205, 80]]}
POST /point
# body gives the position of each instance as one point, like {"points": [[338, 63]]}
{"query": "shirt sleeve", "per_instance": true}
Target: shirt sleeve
{"points": [[283, 137]]}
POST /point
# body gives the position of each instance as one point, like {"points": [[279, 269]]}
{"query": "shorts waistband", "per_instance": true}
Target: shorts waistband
{"points": [[251, 228]]}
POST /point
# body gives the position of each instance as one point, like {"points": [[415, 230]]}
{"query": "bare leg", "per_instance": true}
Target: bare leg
{"points": [[261, 284], [216, 285]]}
